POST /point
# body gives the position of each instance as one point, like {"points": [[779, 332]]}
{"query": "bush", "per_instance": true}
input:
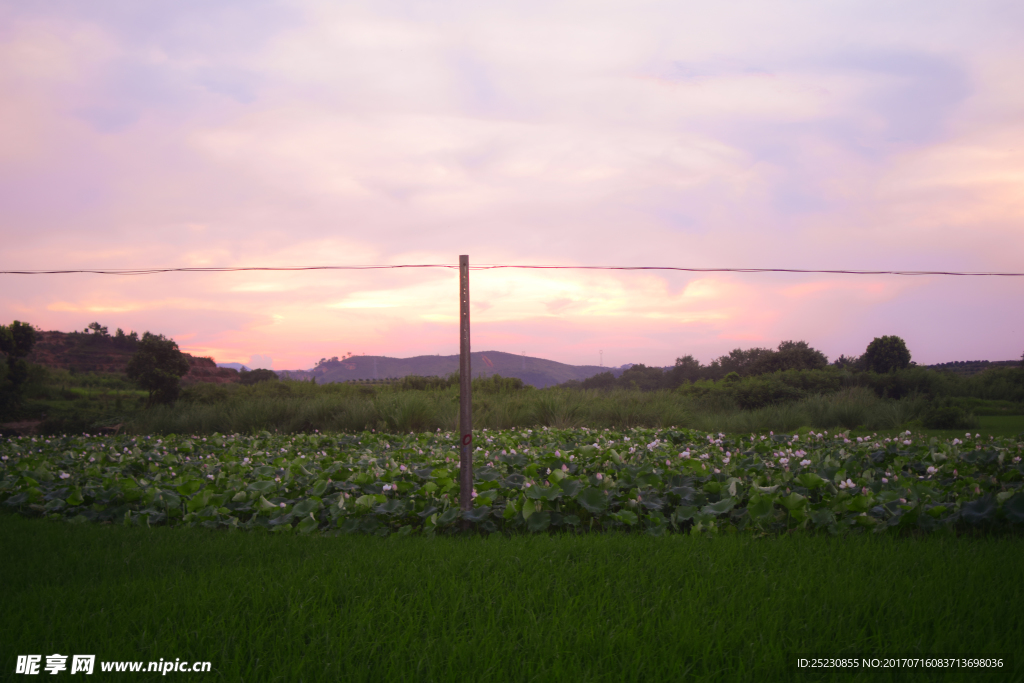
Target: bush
{"points": [[418, 383], [496, 384], [764, 392], [258, 375], [948, 417], [602, 380], [205, 393]]}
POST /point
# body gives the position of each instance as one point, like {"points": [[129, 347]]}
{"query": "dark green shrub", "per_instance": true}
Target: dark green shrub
{"points": [[948, 417], [764, 391], [256, 376], [205, 393], [417, 383], [641, 377], [496, 384], [602, 380]]}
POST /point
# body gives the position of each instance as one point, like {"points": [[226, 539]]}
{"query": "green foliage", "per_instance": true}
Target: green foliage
{"points": [[738, 363], [848, 363], [886, 354], [602, 380], [791, 355], [16, 341], [654, 480], [686, 369], [255, 376], [417, 383], [780, 401], [759, 391], [206, 393], [496, 384], [157, 367], [948, 417], [641, 377]]}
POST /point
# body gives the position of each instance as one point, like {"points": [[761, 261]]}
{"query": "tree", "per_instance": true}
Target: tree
{"points": [[739, 360], [845, 361], [602, 380], [791, 355], [158, 366], [16, 341], [886, 354], [686, 369], [641, 377]]}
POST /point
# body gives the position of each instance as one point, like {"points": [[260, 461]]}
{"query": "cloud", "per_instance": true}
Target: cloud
{"points": [[831, 136], [258, 361]]}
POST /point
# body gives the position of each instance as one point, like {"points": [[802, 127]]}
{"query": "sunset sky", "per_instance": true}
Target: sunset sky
{"points": [[839, 135]]}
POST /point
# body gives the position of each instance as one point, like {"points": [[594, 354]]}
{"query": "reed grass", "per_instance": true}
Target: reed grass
{"points": [[301, 407]]}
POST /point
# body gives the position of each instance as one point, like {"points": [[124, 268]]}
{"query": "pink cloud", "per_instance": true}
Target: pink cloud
{"points": [[671, 136]]}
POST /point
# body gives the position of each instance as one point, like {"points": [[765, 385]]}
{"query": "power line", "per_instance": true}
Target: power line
{"points": [[495, 266], [760, 270], [215, 269]]}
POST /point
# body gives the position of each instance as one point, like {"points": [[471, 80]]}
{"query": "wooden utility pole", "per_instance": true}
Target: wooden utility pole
{"points": [[465, 389]]}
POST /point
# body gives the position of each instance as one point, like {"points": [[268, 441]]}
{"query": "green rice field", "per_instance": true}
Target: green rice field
{"points": [[597, 607]]}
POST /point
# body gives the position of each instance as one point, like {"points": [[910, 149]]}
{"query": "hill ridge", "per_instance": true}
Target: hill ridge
{"points": [[538, 372]]}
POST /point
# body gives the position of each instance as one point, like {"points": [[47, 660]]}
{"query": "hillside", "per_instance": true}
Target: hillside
{"points": [[537, 372], [81, 352]]}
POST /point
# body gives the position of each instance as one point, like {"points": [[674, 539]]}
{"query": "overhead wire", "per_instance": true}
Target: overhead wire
{"points": [[496, 266]]}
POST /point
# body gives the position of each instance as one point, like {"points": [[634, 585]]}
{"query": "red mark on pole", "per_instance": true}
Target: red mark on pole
{"points": [[467, 439]]}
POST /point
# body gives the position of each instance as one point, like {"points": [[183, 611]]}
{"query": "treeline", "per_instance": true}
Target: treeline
{"points": [[1002, 384], [100, 334], [755, 378], [738, 363], [883, 354]]}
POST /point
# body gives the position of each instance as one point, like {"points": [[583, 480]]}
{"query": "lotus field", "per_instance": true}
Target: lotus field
{"points": [[540, 480]]}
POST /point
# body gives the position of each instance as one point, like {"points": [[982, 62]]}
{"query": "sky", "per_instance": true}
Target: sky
{"points": [[844, 135]]}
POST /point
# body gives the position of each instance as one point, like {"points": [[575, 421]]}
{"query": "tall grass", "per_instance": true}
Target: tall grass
{"points": [[298, 407]]}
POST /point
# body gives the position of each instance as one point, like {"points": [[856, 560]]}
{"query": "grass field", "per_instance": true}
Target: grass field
{"points": [[988, 425], [601, 607]]}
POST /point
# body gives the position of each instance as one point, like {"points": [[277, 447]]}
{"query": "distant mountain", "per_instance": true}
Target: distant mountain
{"points": [[537, 372], [234, 366]]}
